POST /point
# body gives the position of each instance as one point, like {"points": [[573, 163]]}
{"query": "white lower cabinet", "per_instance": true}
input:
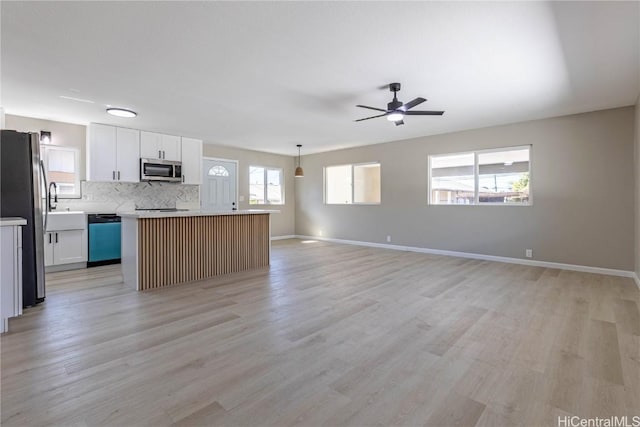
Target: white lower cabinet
{"points": [[48, 248], [10, 274], [71, 246], [65, 247], [65, 242]]}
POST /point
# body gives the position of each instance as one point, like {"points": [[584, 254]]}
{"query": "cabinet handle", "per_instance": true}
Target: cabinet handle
{"points": [[159, 154], [182, 178], [164, 154], [49, 238], [118, 175], [113, 175], [56, 237]]}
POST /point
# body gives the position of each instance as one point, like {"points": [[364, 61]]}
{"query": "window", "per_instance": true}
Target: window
{"points": [[352, 184], [265, 186], [498, 177], [218, 171], [61, 165]]}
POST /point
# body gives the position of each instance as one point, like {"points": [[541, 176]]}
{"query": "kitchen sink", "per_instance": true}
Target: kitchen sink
{"points": [[66, 220]]}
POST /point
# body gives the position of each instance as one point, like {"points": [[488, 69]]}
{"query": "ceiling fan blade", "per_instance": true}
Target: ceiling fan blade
{"points": [[424, 113], [399, 122], [371, 108], [372, 117], [409, 105]]}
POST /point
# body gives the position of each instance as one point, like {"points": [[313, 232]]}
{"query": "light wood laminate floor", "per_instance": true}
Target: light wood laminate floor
{"points": [[328, 335]]}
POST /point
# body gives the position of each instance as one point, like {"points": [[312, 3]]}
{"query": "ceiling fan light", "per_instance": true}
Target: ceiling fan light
{"points": [[395, 117], [121, 112]]}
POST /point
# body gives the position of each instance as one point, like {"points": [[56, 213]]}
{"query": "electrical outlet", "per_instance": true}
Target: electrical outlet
{"points": [[528, 253], [388, 238]]}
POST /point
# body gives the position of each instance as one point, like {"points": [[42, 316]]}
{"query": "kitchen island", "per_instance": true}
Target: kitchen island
{"points": [[167, 248]]}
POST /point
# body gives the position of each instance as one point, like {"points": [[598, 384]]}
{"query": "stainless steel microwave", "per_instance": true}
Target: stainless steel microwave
{"points": [[160, 170]]}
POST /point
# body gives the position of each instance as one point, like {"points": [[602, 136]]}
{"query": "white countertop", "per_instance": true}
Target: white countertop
{"points": [[10, 221], [157, 214]]}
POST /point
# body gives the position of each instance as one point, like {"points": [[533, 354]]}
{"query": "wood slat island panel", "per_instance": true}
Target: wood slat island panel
{"points": [[180, 249]]}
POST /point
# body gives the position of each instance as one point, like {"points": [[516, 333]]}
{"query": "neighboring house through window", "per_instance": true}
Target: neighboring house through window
{"points": [[488, 177]]}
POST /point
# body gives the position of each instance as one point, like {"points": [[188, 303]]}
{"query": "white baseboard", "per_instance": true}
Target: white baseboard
{"points": [[290, 236], [547, 264]]}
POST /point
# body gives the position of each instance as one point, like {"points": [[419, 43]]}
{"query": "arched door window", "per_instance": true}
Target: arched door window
{"points": [[218, 171]]}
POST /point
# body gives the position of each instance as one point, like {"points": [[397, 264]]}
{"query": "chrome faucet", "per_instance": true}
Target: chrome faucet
{"points": [[50, 205]]}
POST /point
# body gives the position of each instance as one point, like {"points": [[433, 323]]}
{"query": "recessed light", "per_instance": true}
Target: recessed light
{"points": [[121, 112]]}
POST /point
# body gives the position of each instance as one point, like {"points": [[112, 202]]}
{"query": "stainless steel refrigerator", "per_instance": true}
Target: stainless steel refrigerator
{"points": [[22, 178]]}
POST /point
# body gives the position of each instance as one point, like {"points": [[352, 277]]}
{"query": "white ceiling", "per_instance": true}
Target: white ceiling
{"points": [[267, 76]]}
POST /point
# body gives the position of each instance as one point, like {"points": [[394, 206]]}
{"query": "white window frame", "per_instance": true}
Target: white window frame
{"points": [[476, 176], [44, 153], [266, 192], [353, 165]]}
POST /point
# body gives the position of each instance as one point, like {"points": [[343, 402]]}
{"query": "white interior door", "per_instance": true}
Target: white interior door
{"points": [[218, 191]]}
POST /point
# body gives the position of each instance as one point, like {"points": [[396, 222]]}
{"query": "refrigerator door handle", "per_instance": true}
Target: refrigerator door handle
{"points": [[46, 210]]}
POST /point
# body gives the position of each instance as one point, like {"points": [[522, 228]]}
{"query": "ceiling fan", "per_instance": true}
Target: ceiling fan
{"points": [[396, 110]]}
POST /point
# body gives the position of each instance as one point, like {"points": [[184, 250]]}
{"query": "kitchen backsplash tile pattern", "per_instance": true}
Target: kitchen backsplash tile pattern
{"points": [[122, 196]]}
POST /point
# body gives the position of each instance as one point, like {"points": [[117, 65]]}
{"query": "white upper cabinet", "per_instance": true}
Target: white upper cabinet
{"points": [[101, 153], [171, 148], [160, 146], [113, 154], [191, 161], [150, 145], [128, 155]]}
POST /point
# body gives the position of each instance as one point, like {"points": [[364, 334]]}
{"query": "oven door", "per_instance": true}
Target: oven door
{"points": [[154, 170]]}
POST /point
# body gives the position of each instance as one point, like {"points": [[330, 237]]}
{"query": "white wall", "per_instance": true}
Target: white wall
{"points": [[66, 134], [582, 186], [283, 223], [637, 187]]}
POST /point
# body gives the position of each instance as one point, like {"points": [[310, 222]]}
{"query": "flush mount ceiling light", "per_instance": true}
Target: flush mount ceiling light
{"points": [[299, 172], [45, 137], [121, 112]]}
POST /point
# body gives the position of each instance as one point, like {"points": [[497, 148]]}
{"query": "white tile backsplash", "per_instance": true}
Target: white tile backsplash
{"points": [[109, 197]]}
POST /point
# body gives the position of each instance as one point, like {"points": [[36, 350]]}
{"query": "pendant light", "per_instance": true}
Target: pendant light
{"points": [[299, 171]]}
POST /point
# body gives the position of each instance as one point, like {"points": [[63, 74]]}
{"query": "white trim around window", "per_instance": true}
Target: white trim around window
{"points": [[468, 189], [68, 181], [270, 191], [351, 194]]}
